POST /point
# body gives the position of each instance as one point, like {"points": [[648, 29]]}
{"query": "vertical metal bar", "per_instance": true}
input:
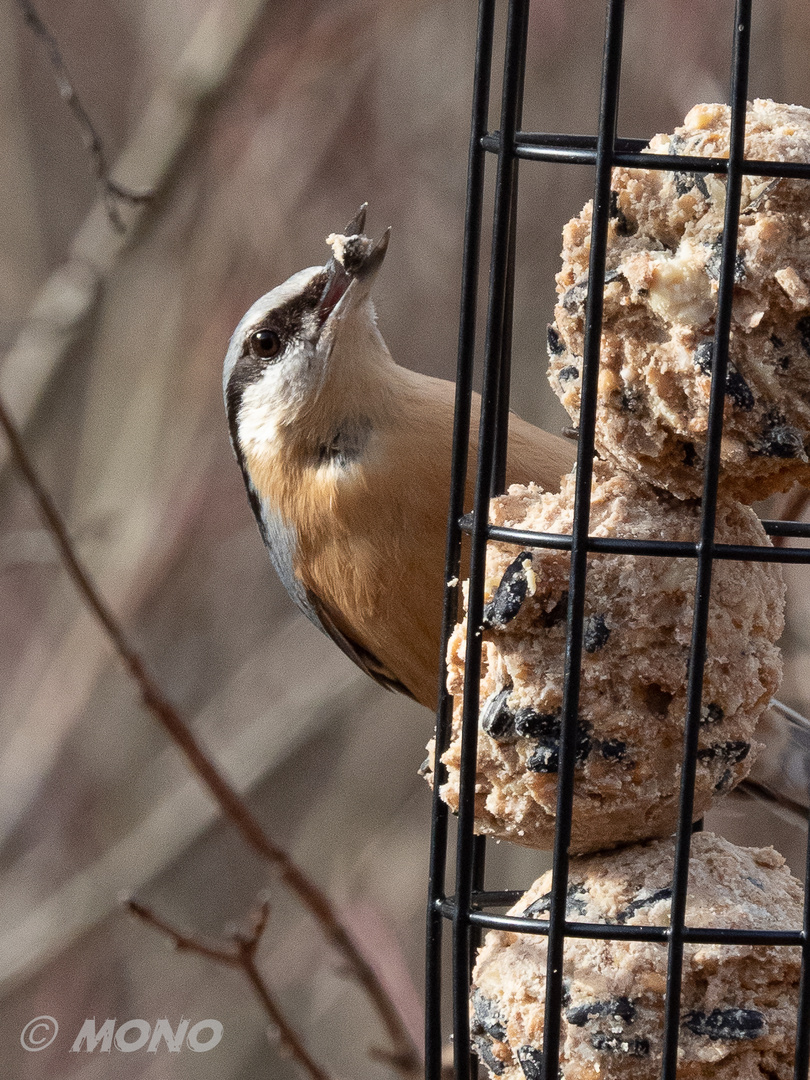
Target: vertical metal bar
{"points": [[461, 438], [465, 853], [479, 868], [505, 364], [697, 657], [802, 1062], [492, 454], [608, 116]]}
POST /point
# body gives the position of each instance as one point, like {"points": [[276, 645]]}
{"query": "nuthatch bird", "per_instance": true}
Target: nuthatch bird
{"points": [[346, 460]]}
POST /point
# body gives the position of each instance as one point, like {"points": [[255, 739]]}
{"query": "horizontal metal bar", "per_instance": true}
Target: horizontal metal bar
{"points": [[704, 935], [612, 544], [786, 528], [581, 150], [681, 549], [588, 142], [742, 553], [498, 898]]}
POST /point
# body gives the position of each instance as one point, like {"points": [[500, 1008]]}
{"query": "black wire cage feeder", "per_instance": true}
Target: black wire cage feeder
{"points": [[464, 909]]}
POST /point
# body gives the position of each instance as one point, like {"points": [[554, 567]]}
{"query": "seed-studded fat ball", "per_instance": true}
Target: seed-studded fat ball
{"points": [[660, 303], [738, 1003], [636, 643]]}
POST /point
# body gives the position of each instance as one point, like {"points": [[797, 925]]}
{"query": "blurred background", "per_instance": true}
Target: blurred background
{"points": [[262, 127]]}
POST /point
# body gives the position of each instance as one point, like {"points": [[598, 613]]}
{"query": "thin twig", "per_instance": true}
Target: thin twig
{"points": [[113, 192], [240, 952], [177, 116], [403, 1055], [185, 942]]}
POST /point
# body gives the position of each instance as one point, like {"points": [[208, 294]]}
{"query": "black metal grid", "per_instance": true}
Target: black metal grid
{"points": [[468, 907]]}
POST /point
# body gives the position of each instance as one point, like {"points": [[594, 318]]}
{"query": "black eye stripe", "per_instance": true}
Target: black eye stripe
{"points": [[287, 320]]}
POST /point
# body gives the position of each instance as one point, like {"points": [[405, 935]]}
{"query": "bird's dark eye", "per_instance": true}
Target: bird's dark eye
{"points": [[265, 344]]}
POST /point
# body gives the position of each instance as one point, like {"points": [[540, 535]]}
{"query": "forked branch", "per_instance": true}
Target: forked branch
{"points": [[402, 1054], [113, 192], [240, 952]]}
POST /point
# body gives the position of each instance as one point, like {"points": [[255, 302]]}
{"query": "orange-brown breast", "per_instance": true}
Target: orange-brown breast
{"points": [[371, 537]]}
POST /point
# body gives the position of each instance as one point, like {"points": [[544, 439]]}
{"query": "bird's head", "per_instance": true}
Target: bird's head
{"points": [[306, 341]]}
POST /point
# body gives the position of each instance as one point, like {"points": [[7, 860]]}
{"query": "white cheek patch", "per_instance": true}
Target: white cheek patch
{"points": [[258, 312], [258, 421], [274, 400]]}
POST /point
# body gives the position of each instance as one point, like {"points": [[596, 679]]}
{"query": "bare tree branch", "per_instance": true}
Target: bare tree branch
{"points": [[403, 1055], [248, 747], [240, 952], [147, 162], [112, 192]]}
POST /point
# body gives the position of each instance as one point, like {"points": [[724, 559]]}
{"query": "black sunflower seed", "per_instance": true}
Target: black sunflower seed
{"points": [[595, 634], [545, 759], [780, 439], [620, 1008], [613, 749], [685, 181], [703, 357], [531, 1061], [546, 756], [574, 297], [497, 719], [576, 902], [483, 1047], [510, 594], [554, 342], [715, 259], [725, 783], [622, 225], [536, 725], [738, 390], [736, 387], [711, 714], [730, 753], [726, 1024], [539, 906], [642, 902], [617, 1044], [487, 1017]]}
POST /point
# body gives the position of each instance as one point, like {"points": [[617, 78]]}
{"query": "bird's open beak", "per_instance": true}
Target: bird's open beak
{"points": [[354, 276], [337, 282]]}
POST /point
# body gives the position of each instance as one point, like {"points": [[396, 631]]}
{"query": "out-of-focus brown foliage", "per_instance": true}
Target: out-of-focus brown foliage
{"points": [[329, 105]]}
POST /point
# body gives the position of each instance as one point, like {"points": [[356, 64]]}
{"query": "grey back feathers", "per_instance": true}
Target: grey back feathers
{"points": [[281, 541]]}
